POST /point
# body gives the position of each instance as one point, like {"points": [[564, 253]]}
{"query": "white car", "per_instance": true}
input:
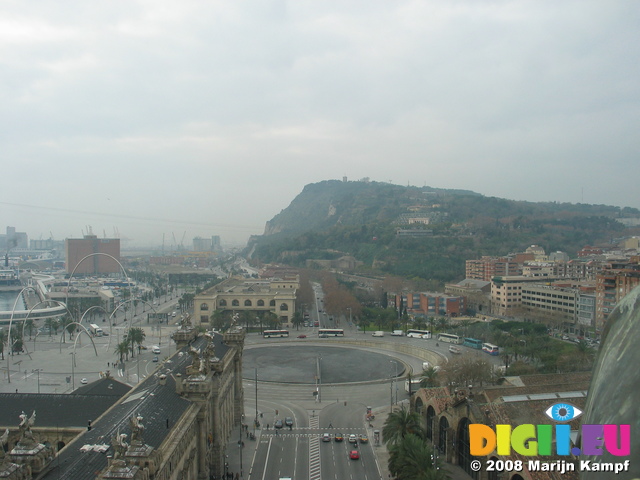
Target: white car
{"points": [[84, 381], [155, 349]]}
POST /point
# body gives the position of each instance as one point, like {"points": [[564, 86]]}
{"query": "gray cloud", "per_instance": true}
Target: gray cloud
{"points": [[211, 117]]}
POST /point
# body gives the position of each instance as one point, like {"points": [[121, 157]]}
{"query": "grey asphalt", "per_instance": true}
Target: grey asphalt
{"points": [[286, 363]]}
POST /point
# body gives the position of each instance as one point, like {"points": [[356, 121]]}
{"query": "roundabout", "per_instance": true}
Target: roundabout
{"points": [[299, 364]]}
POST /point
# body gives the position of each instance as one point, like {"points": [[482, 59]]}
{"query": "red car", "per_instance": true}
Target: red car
{"points": [[302, 335], [354, 454]]}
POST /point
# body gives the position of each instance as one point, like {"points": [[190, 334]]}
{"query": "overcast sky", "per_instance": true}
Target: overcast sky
{"points": [[200, 118]]}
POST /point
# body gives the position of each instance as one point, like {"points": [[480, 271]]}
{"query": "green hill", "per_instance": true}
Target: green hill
{"points": [[424, 232]]}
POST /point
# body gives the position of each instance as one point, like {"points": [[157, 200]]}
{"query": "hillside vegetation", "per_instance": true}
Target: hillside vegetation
{"points": [[331, 219]]}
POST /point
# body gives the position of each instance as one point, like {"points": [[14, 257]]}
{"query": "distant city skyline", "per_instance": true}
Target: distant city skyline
{"points": [[152, 118]]}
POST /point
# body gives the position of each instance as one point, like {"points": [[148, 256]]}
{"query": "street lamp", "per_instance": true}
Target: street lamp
{"points": [[349, 308], [318, 379], [37, 370], [73, 370], [9, 342], [396, 382], [255, 422]]}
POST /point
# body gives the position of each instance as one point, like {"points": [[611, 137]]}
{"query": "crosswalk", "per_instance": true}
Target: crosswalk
{"points": [[314, 450]]}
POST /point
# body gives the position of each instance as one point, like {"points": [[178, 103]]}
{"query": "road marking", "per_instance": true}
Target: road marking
{"points": [[314, 450]]}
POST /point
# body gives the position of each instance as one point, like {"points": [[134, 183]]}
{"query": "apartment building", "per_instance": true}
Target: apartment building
{"points": [[430, 304], [99, 252], [488, 267], [506, 293], [613, 284]]}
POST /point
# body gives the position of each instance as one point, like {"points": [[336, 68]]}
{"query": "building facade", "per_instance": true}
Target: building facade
{"points": [[430, 304], [613, 284], [101, 249], [236, 294]]}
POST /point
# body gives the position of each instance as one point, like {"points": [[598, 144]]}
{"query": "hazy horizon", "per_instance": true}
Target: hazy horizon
{"points": [[152, 118]]}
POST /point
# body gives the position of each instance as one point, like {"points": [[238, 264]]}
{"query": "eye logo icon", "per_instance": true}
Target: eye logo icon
{"points": [[563, 412]]}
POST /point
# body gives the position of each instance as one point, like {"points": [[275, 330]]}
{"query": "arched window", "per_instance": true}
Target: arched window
{"points": [[261, 303], [464, 451], [284, 307], [443, 428], [272, 303], [223, 303], [204, 306], [247, 303], [235, 303], [431, 418]]}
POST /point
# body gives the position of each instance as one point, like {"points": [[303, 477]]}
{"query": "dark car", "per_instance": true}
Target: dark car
{"points": [[302, 335], [288, 421], [278, 424], [338, 437]]}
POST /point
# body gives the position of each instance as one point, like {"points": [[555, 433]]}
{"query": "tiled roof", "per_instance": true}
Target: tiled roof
{"points": [[53, 410]]}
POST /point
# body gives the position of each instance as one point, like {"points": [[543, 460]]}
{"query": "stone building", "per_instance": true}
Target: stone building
{"points": [[174, 424], [236, 294], [447, 412]]}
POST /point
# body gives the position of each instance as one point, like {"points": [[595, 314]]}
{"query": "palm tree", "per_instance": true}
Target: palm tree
{"points": [[122, 350], [29, 325], [412, 459], [135, 337], [429, 377], [297, 319], [400, 424]]}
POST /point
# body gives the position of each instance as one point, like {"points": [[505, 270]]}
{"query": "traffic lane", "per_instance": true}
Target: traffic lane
{"points": [[335, 461], [281, 454]]}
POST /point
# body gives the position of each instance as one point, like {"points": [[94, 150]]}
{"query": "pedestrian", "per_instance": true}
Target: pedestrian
{"points": [[247, 434], [267, 427]]}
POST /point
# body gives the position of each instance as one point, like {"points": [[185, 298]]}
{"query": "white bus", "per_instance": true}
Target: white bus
{"points": [[451, 338], [275, 333], [490, 349], [418, 333], [331, 332]]}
